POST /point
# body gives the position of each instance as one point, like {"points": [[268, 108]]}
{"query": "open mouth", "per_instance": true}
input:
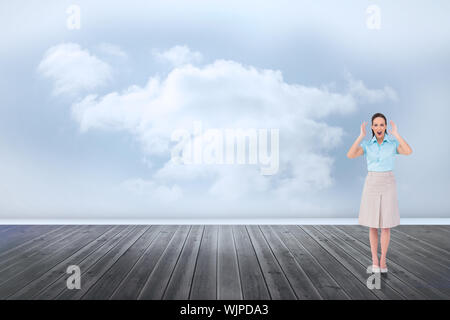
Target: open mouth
{"points": [[379, 132]]}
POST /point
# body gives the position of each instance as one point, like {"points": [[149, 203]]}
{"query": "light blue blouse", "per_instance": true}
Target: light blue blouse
{"points": [[380, 157]]}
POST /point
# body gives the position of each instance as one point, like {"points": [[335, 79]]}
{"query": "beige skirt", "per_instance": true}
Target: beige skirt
{"points": [[379, 204]]}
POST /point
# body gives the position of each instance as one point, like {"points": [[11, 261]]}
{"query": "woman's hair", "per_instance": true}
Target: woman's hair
{"points": [[376, 115]]}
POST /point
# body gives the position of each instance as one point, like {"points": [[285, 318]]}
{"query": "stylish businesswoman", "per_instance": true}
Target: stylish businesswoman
{"points": [[379, 204]]}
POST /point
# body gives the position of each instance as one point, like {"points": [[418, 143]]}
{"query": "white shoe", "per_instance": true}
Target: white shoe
{"points": [[375, 269], [384, 270]]}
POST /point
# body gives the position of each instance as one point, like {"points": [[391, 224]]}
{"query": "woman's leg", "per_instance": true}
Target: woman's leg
{"points": [[373, 236], [385, 236]]}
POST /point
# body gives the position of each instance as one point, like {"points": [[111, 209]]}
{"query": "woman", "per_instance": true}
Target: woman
{"points": [[379, 205]]}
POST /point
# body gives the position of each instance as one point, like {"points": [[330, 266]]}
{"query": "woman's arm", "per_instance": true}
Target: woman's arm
{"points": [[356, 150], [403, 147]]}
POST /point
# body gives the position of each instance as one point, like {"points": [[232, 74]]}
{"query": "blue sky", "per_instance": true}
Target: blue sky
{"points": [[86, 114]]}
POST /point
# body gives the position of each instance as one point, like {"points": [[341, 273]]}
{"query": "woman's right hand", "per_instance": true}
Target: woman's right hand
{"points": [[363, 129], [356, 150]]}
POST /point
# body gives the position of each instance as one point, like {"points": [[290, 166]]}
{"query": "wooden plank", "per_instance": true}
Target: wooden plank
{"points": [[430, 252], [95, 272], [204, 283], [277, 283], [434, 229], [17, 236], [57, 287], [442, 252], [111, 279], [228, 280], [15, 267], [424, 270], [344, 278], [445, 228], [362, 252], [6, 227], [180, 282], [252, 279], [427, 234], [435, 262], [58, 274], [304, 289], [324, 283], [406, 269], [392, 288], [67, 247], [4, 255], [157, 281], [355, 268], [27, 252], [220, 262], [132, 284]]}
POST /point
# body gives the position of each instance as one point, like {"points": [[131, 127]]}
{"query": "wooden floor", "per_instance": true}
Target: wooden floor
{"points": [[220, 262]]}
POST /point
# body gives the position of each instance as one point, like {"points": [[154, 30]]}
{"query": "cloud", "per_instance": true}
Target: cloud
{"points": [[148, 188], [227, 94], [73, 69], [112, 50], [178, 56], [361, 92]]}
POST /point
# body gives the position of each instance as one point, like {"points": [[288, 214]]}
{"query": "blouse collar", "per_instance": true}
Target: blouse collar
{"points": [[374, 139]]}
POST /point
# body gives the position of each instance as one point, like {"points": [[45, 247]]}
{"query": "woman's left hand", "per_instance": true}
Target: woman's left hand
{"points": [[394, 131]]}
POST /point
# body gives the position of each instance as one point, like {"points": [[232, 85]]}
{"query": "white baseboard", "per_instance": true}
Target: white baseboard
{"points": [[178, 221]]}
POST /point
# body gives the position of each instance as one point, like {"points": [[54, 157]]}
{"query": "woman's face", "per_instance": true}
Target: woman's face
{"points": [[379, 127]]}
